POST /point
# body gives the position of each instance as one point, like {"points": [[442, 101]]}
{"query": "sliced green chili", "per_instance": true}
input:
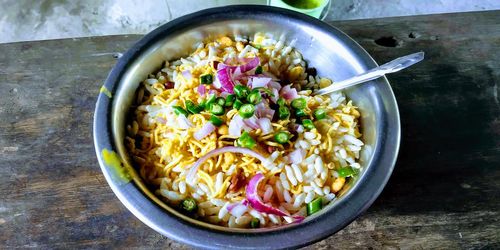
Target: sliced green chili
{"points": [[258, 70], [241, 91], [300, 113], [237, 104], [178, 110], [207, 79], [319, 114], [299, 103], [281, 102], [246, 110], [221, 101], [229, 100], [216, 121], [193, 108], [216, 109], [283, 112], [314, 206], [255, 223], [308, 124], [189, 205], [281, 137], [254, 97], [246, 140], [211, 99], [346, 172]]}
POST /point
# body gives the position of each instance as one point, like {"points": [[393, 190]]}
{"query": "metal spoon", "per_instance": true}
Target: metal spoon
{"points": [[390, 67]]}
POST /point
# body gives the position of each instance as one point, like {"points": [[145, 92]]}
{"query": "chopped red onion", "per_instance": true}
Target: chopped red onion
{"points": [[251, 122], [202, 90], [205, 130], [296, 156], [288, 92], [161, 120], [257, 203], [265, 125], [235, 126], [258, 82], [225, 80], [183, 122], [187, 75], [262, 110]]}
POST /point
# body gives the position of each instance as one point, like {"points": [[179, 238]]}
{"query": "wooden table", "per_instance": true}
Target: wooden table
{"points": [[444, 192]]}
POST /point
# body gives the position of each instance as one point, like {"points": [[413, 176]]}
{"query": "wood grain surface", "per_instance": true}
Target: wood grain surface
{"points": [[444, 192]]}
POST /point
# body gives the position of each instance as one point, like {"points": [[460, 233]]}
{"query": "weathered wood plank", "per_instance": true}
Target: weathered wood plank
{"points": [[444, 192]]}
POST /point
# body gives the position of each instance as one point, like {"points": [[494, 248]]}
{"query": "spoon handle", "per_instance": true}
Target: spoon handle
{"points": [[390, 67]]}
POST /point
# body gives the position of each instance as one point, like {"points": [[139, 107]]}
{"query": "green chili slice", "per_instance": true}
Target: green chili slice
{"points": [[258, 70], [308, 124], [193, 108], [216, 121], [216, 109], [221, 101], [281, 102], [299, 103], [189, 205], [255, 223], [254, 97], [246, 110], [300, 113], [246, 140], [229, 100], [283, 112], [281, 137], [319, 114], [206, 79], [314, 206], [346, 172], [237, 104], [241, 91], [178, 110]]}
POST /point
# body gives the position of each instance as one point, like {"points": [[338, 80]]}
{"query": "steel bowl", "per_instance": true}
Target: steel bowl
{"points": [[324, 47]]}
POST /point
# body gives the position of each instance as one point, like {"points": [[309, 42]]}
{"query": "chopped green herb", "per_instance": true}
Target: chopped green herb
{"points": [[207, 79], [314, 206], [178, 110], [246, 140], [281, 137]]}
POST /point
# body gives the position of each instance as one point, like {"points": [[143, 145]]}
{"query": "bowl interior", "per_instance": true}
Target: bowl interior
{"points": [[331, 52]]}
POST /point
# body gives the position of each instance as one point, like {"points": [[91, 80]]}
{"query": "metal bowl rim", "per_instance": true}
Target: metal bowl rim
{"points": [[315, 230]]}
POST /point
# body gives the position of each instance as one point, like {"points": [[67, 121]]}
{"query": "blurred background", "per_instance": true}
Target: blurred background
{"points": [[25, 20]]}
